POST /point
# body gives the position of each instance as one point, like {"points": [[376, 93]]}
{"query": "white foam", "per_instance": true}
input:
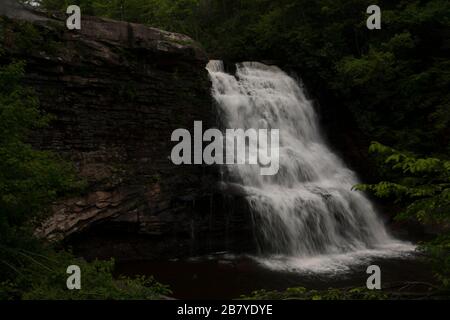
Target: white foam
{"points": [[336, 263], [307, 216]]}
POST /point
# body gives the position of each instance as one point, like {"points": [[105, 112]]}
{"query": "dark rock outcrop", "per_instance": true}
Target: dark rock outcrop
{"points": [[118, 90]]}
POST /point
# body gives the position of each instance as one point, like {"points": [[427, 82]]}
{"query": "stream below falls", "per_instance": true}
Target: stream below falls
{"points": [[227, 276]]}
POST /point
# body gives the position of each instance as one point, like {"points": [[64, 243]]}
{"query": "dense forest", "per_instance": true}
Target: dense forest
{"points": [[394, 81]]}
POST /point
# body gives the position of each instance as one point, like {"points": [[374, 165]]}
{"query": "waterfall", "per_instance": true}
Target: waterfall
{"points": [[306, 216]]}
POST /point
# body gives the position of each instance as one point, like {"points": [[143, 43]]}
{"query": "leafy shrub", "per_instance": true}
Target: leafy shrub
{"points": [[29, 181], [423, 187]]}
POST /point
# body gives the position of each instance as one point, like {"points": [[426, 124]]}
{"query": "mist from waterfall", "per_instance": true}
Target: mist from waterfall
{"points": [[307, 217]]}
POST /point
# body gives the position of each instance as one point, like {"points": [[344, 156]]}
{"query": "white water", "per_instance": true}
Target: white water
{"points": [[307, 216]]}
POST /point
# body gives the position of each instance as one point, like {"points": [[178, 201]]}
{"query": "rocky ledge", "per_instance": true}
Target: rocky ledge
{"points": [[117, 91]]}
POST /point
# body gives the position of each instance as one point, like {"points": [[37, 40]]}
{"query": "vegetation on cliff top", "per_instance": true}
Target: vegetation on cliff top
{"points": [[395, 80]]}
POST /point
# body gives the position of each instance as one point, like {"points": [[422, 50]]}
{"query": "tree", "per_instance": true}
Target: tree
{"points": [[422, 186]]}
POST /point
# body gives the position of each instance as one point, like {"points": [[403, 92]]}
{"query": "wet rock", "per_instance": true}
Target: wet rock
{"points": [[118, 90]]}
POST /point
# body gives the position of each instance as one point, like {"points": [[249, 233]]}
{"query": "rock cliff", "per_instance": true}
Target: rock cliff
{"points": [[117, 91]]}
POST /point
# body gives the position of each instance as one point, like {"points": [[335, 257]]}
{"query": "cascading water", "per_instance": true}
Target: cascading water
{"points": [[307, 215]]}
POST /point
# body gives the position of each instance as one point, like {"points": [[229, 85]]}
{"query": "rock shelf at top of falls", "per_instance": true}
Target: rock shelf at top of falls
{"points": [[307, 216]]}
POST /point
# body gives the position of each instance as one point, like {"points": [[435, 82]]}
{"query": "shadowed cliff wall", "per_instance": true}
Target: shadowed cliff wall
{"points": [[117, 91]]}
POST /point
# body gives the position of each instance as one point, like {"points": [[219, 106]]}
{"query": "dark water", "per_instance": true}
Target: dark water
{"points": [[222, 276]]}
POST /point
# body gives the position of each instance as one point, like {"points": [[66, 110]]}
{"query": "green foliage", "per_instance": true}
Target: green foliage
{"points": [[423, 187], [424, 184], [300, 293], [394, 81], [24, 36], [29, 181], [43, 276], [439, 251]]}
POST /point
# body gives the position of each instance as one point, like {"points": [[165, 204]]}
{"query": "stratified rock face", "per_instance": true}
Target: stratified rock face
{"points": [[118, 90]]}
